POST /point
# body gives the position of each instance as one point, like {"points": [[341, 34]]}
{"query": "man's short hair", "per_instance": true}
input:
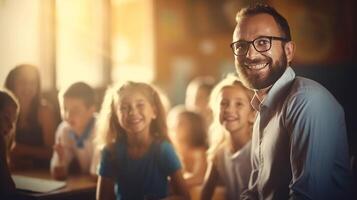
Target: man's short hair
{"points": [[266, 9]]}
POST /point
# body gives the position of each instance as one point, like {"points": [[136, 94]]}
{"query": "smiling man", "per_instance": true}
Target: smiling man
{"points": [[299, 144]]}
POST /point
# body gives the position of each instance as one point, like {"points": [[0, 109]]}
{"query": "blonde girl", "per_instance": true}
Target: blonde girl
{"points": [[137, 157], [230, 135]]}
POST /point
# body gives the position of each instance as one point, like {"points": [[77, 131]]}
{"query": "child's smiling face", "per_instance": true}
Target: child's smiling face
{"points": [[135, 113], [235, 109]]}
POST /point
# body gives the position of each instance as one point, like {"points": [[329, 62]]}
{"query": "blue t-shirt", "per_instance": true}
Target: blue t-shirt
{"points": [[141, 178]]}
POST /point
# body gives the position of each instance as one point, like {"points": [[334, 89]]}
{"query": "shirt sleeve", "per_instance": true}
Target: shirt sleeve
{"points": [[107, 165], [319, 150], [169, 159]]}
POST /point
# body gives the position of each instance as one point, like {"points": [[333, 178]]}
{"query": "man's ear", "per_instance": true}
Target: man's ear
{"points": [[289, 49]]}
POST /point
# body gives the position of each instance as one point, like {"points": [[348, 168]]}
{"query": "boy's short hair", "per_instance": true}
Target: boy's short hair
{"points": [[81, 91]]}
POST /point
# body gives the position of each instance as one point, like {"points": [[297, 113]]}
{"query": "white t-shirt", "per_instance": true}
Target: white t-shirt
{"points": [[234, 170], [84, 155]]}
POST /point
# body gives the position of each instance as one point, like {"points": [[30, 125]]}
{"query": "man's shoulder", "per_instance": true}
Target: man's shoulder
{"points": [[308, 88], [306, 91], [302, 83]]}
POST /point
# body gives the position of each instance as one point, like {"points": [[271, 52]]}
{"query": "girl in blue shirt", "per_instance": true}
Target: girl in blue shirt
{"points": [[137, 158]]}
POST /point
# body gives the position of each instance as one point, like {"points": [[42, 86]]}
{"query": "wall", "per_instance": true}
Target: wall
{"points": [[26, 37]]}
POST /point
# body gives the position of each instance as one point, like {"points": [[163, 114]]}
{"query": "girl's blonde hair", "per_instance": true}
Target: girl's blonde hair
{"points": [[109, 131], [218, 136]]}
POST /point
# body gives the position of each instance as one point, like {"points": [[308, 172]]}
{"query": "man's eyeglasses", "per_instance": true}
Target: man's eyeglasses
{"points": [[260, 44]]}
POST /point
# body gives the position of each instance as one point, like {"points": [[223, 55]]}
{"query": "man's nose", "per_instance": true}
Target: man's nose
{"points": [[251, 52]]}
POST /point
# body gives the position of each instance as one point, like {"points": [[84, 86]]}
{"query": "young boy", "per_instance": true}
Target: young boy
{"points": [[75, 134]]}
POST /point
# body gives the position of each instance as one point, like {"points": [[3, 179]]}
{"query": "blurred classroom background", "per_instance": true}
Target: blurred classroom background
{"points": [[169, 42]]}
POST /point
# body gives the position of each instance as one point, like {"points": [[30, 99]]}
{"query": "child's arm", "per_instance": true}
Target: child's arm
{"points": [[58, 168], [61, 156], [199, 169], [210, 182], [179, 187], [105, 189]]}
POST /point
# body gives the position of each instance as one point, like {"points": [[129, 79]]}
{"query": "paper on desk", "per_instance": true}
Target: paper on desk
{"points": [[36, 184]]}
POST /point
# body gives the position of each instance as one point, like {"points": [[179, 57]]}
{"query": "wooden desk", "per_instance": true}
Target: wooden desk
{"points": [[79, 187], [219, 193]]}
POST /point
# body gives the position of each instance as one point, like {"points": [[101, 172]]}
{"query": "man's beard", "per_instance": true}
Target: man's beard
{"points": [[255, 81]]}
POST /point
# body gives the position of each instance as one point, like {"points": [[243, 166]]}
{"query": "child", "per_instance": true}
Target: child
{"points": [[137, 156], [9, 109], [229, 152], [197, 96], [75, 134], [189, 135], [36, 123]]}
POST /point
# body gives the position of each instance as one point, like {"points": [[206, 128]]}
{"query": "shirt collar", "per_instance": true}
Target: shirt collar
{"points": [[236, 155], [278, 89], [256, 102], [79, 140]]}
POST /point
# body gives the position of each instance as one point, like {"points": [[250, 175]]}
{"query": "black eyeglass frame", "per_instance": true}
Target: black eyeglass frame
{"points": [[252, 43]]}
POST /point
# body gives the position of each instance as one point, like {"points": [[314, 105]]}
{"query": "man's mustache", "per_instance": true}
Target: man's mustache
{"points": [[248, 61]]}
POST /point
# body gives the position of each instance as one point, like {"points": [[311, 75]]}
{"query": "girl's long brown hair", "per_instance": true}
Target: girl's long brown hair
{"points": [[36, 101]]}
